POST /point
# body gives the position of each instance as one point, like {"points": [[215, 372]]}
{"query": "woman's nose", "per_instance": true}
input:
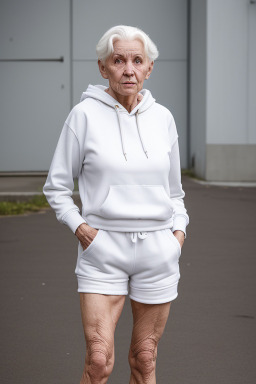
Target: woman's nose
{"points": [[128, 69]]}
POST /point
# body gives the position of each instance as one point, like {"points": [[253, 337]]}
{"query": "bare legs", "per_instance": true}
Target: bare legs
{"points": [[100, 314], [149, 321]]}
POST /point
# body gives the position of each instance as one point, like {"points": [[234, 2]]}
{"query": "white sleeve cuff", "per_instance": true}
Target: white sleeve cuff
{"points": [[73, 219], [179, 224]]}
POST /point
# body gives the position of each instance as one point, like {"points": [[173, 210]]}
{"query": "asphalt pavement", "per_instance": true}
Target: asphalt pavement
{"points": [[210, 336]]}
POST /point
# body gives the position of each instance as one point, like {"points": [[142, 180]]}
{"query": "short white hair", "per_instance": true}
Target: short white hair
{"points": [[105, 47]]}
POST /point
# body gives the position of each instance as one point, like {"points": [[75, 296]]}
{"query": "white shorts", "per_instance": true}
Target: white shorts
{"points": [[145, 264]]}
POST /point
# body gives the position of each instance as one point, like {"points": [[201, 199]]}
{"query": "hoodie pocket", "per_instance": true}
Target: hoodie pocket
{"points": [[173, 238], [89, 248], [137, 202]]}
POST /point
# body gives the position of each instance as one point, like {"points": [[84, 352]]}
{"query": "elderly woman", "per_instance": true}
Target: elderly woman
{"points": [[123, 148]]}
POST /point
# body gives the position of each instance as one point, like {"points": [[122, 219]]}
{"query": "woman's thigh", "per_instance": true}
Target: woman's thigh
{"points": [[100, 314], [149, 322]]}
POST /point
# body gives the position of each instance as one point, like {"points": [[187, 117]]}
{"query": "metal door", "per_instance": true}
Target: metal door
{"points": [[34, 81]]}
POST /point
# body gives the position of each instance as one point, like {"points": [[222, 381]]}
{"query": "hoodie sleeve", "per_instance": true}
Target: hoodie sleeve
{"points": [[180, 218], [66, 165]]}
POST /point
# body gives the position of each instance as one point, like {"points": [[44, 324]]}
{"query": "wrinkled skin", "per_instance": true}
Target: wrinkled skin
{"points": [[126, 69], [100, 314], [85, 234], [149, 321]]}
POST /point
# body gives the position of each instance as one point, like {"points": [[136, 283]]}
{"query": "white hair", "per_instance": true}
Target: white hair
{"points": [[105, 47]]}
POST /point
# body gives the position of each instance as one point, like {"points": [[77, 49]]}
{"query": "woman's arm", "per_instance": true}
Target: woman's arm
{"points": [[180, 217], [66, 165]]}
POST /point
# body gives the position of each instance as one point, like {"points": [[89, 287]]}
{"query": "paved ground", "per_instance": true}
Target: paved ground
{"points": [[21, 183], [211, 333]]}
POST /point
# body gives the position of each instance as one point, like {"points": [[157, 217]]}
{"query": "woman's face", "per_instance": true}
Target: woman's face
{"points": [[127, 67]]}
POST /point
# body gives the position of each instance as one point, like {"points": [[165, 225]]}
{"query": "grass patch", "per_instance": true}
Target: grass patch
{"points": [[19, 207], [190, 173], [76, 185]]}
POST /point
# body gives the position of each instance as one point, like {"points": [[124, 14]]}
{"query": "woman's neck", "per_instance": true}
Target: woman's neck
{"points": [[128, 102]]}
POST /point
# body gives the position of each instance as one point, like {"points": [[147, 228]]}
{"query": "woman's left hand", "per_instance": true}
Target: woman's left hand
{"points": [[180, 235]]}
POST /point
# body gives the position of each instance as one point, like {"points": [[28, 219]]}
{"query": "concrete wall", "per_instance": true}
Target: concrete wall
{"points": [[198, 41], [231, 90], [227, 58], [231, 162], [223, 89]]}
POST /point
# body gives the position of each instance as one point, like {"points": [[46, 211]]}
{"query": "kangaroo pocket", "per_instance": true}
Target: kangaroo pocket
{"points": [[137, 202]]}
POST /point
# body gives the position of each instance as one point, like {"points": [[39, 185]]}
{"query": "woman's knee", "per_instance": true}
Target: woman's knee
{"points": [[142, 359], [99, 358]]}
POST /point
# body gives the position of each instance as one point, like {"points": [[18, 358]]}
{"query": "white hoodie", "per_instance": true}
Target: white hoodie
{"points": [[127, 165]]}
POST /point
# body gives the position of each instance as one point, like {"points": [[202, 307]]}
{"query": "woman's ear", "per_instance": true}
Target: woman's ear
{"points": [[102, 69], [150, 68]]}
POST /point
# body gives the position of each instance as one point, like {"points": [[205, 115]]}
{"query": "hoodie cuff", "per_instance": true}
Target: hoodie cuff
{"points": [[73, 219], [179, 224]]}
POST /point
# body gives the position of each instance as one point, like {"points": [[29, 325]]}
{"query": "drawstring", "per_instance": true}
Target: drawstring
{"points": [[122, 134], [138, 127], [121, 130], [140, 235]]}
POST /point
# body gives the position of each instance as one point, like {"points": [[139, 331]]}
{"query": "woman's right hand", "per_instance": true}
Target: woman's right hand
{"points": [[85, 235]]}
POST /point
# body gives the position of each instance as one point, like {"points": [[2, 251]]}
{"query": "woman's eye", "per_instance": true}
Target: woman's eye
{"points": [[118, 61], [137, 61]]}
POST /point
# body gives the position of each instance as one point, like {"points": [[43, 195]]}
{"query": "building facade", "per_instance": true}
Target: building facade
{"points": [[222, 115], [205, 75]]}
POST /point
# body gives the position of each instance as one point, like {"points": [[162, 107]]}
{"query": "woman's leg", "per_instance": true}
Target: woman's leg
{"points": [[148, 326], [100, 314]]}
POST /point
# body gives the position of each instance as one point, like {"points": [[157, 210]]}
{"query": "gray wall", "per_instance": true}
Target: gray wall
{"points": [[223, 89], [227, 72], [231, 90], [198, 45], [36, 96]]}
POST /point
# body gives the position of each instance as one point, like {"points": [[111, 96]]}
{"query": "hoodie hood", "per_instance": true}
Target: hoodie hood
{"points": [[98, 92]]}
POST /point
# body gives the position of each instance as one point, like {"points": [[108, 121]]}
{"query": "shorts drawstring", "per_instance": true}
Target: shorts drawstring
{"points": [[141, 235]]}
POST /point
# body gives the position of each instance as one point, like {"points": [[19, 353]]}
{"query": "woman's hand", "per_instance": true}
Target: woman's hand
{"points": [[180, 235], [85, 235]]}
